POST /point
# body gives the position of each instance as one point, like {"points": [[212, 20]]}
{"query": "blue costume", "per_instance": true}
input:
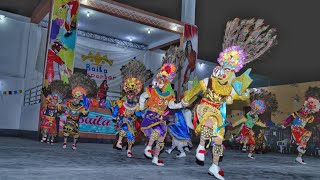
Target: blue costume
{"points": [[126, 113]]}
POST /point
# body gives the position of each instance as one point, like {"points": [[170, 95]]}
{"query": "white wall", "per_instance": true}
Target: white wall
{"points": [[10, 105], [19, 46], [36, 52]]}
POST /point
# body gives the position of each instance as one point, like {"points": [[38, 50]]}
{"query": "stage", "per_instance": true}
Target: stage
{"points": [[31, 160]]}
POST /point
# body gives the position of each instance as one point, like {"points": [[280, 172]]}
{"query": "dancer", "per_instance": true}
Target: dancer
{"points": [[127, 110], [261, 141], [157, 99], [179, 131], [54, 94], [298, 121], [82, 87], [246, 134], [74, 110], [244, 41]]}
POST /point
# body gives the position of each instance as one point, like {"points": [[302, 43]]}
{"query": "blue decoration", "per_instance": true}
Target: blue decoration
{"points": [[85, 101], [237, 86], [179, 129]]}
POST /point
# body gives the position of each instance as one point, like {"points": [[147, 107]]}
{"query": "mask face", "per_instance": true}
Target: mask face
{"points": [[76, 100], [311, 105], [160, 82], [130, 95], [223, 74]]}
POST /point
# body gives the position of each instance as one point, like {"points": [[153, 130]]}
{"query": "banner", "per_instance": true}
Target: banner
{"points": [[104, 61], [94, 123], [190, 45], [62, 40]]}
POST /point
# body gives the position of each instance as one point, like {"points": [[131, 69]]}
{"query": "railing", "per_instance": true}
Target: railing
{"points": [[32, 96]]}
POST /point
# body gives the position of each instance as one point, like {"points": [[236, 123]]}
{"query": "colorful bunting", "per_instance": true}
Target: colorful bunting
{"points": [[11, 92]]}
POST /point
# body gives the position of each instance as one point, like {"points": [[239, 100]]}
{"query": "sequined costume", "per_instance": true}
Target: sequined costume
{"points": [[78, 106], [157, 99], [74, 112], [179, 131], [127, 113], [127, 110], [244, 41], [48, 124], [54, 94], [261, 141], [246, 134], [298, 121]]}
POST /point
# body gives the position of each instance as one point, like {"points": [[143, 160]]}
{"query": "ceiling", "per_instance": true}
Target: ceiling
{"points": [[293, 60], [104, 24], [21, 7]]}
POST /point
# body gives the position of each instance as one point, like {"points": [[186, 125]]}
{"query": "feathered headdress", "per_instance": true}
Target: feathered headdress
{"points": [[244, 41], [174, 55], [134, 74], [82, 84], [58, 90], [258, 106], [173, 58]]}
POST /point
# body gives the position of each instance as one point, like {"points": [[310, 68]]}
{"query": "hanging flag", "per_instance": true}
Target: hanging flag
{"points": [[62, 40]]}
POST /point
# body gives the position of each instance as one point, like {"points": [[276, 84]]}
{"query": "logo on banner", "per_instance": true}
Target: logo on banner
{"points": [[98, 69], [97, 123], [97, 59]]}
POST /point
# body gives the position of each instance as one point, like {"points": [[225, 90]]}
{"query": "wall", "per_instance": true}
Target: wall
{"points": [[14, 32], [10, 105], [36, 53]]}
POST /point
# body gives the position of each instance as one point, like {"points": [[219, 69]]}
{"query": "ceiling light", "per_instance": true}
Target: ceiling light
{"points": [[149, 31], [130, 38], [2, 17], [88, 14]]}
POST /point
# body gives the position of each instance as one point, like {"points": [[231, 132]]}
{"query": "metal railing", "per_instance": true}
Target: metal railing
{"points": [[32, 96]]}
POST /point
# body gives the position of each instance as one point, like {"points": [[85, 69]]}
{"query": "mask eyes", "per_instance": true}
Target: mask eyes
{"points": [[226, 70]]}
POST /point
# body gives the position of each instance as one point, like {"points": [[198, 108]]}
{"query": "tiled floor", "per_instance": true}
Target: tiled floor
{"points": [[31, 160]]}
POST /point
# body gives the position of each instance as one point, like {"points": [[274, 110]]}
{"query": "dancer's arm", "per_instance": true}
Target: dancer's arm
{"points": [[143, 97], [173, 105], [191, 95], [242, 120], [115, 112], [288, 121], [261, 124]]}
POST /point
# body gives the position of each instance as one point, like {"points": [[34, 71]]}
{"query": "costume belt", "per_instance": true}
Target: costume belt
{"points": [[156, 111], [216, 105], [75, 118]]}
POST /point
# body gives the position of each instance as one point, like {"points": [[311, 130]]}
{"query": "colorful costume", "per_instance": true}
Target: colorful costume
{"points": [[74, 110], [179, 131], [54, 94], [298, 121], [49, 118], [261, 141], [157, 99], [246, 133], [127, 109], [244, 41]]}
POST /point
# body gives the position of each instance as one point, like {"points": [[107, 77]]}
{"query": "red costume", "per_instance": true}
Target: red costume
{"points": [[72, 9]]}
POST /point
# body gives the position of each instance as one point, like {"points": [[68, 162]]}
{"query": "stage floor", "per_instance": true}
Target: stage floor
{"points": [[31, 160]]}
